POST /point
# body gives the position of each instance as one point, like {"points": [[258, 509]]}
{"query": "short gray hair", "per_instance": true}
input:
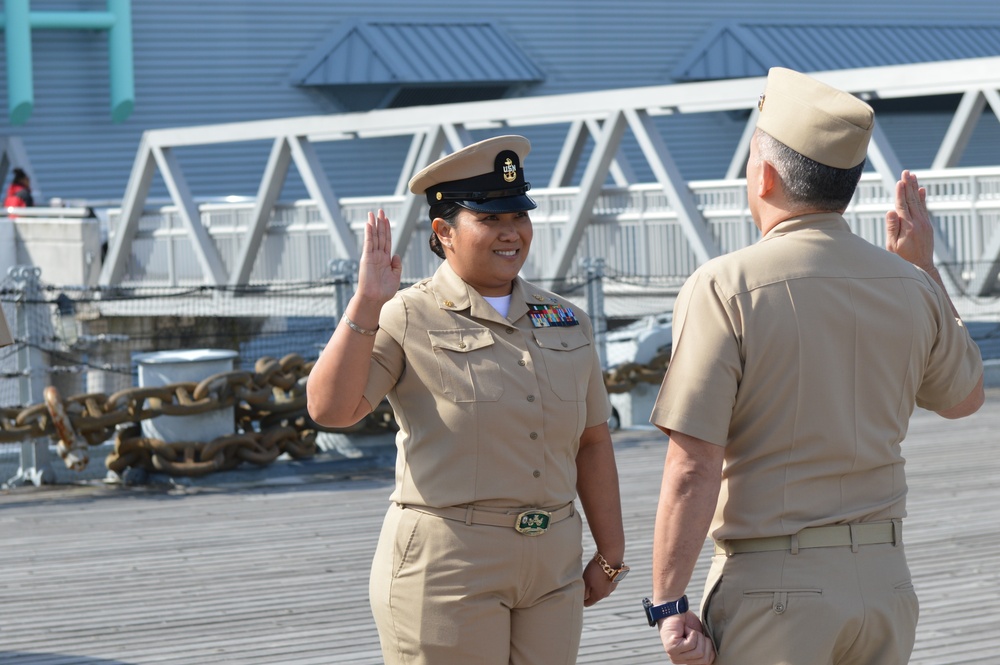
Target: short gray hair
{"points": [[806, 181]]}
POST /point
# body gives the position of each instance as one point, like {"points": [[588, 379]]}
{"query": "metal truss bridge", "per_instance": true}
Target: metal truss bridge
{"points": [[662, 229]]}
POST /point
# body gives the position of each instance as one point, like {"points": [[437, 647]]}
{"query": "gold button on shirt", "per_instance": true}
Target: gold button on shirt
{"points": [[803, 355], [490, 409]]}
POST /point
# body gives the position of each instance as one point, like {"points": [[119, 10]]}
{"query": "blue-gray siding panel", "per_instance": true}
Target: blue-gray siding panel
{"points": [[230, 60], [733, 49]]}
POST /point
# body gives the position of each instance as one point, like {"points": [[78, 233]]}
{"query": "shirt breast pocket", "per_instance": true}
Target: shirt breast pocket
{"points": [[468, 364], [568, 360]]}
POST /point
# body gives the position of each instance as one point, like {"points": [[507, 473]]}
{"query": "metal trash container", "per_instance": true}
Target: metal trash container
{"points": [[163, 368]]}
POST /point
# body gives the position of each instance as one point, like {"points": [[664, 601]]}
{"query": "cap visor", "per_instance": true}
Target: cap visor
{"points": [[517, 203]]}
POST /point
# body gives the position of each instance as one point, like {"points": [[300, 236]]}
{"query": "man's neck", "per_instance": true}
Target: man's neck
{"points": [[776, 216]]}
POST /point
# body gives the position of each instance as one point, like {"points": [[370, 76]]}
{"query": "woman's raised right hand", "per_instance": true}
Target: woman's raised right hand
{"points": [[379, 270]]}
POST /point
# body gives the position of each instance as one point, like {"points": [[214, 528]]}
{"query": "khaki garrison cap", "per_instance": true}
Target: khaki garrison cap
{"points": [[483, 177], [827, 125]]}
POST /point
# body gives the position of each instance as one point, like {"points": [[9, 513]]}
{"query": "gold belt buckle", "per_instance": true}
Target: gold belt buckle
{"points": [[532, 522]]}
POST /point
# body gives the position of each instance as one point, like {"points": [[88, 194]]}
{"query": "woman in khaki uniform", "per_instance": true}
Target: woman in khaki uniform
{"points": [[502, 410]]}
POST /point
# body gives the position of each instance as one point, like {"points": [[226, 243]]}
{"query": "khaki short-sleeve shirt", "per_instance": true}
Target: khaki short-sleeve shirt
{"points": [[490, 408], [804, 355]]}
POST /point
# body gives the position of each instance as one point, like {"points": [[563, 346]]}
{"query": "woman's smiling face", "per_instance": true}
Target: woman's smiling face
{"points": [[487, 250]]}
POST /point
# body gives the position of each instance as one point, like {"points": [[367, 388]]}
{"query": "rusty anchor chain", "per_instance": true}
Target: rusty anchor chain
{"points": [[623, 378], [270, 420]]}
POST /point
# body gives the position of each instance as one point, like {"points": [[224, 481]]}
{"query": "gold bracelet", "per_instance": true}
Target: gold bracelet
{"points": [[616, 575], [358, 329]]}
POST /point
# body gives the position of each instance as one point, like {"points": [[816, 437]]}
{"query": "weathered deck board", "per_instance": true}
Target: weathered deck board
{"points": [[277, 571]]}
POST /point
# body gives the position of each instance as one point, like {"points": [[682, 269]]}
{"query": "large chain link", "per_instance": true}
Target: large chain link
{"points": [[270, 419], [626, 376]]}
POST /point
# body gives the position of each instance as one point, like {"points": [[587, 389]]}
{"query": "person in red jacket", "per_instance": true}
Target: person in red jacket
{"points": [[19, 192]]}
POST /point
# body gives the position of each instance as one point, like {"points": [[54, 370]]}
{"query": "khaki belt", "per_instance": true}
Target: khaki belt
{"points": [[530, 522], [836, 535]]}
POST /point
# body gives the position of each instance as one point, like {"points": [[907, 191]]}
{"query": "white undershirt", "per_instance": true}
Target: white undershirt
{"points": [[500, 304]]}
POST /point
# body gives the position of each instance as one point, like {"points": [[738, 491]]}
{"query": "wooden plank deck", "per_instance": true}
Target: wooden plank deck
{"points": [[276, 570]]}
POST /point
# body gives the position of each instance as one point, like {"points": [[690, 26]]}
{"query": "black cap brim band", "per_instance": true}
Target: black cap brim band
{"points": [[517, 203]]}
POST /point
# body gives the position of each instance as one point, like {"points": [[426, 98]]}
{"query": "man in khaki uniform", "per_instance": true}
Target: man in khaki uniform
{"points": [[796, 365], [502, 415]]}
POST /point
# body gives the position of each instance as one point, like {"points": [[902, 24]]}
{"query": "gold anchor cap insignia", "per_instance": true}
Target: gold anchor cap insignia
{"points": [[509, 170]]}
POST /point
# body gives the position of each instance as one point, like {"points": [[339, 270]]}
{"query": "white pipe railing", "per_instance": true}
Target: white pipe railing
{"points": [[634, 229]]}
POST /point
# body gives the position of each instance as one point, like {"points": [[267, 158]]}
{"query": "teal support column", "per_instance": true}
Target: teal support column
{"points": [[72, 20], [18, 21], [17, 34], [120, 60]]}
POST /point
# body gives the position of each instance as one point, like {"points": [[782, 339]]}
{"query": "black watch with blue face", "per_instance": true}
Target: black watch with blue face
{"points": [[656, 612]]}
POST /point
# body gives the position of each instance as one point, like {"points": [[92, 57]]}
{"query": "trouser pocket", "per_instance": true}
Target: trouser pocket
{"points": [[712, 614], [780, 599]]}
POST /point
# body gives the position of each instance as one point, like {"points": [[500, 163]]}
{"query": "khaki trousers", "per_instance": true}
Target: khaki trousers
{"points": [[821, 606], [444, 592]]}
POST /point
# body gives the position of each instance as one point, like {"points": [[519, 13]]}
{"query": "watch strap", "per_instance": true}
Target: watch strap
{"points": [[656, 612]]}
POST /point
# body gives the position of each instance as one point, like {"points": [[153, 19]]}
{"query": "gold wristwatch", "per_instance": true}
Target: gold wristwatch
{"points": [[616, 575]]}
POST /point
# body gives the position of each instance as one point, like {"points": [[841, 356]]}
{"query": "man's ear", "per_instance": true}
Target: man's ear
{"points": [[767, 179]]}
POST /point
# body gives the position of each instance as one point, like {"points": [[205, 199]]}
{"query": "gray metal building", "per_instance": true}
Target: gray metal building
{"points": [[234, 60]]}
